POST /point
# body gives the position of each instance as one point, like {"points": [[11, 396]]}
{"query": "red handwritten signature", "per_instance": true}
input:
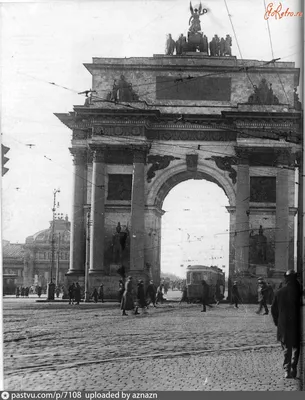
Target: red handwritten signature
{"points": [[279, 12]]}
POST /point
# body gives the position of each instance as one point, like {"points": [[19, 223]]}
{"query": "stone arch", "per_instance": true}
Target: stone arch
{"points": [[174, 175]]}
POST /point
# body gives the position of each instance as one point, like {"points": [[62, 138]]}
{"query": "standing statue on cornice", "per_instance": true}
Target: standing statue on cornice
{"points": [[194, 20]]}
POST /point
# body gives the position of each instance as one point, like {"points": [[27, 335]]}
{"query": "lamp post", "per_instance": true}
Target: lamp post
{"points": [[51, 285]]}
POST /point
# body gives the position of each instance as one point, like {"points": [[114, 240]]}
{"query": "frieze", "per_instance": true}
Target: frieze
{"points": [[81, 134], [158, 163], [119, 130], [225, 164], [209, 136]]}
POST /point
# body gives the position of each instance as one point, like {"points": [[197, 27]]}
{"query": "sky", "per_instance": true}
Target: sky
{"points": [[43, 46]]}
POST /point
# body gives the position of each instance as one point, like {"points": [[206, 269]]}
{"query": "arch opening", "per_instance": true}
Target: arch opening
{"points": [[195, 228]]}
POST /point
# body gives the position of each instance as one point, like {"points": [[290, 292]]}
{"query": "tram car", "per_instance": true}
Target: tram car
{"points": [[195, 274]]}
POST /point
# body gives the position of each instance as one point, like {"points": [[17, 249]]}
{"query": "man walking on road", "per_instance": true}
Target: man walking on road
{"points": [[235, 295], [285, 311], [262, 296], [151, 292], [205, 295]]}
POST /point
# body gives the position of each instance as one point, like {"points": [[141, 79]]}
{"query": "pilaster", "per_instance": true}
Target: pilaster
{"points": [[282, 214], [242, 212], [137, 239]]}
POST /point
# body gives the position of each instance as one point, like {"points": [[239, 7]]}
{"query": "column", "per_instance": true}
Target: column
{"points": [[97, 232], [282, 218], [242, 214], [232, 211], [137, 239], [77, 238]]}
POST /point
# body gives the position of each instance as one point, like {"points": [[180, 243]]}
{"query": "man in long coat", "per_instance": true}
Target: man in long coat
{"points": [[127, 298], [235, 295], [285, 311], [205, 295], [262, 296], [77, 293], [151, 292]]}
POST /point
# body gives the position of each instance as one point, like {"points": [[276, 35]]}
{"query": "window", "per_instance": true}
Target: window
{"points": [[196, 277]]}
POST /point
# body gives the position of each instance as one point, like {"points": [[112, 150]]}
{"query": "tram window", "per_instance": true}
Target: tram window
{"points": [[188, 277], [196, 277]]}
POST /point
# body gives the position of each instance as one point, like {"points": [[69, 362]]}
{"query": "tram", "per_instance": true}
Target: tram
{"points": [[195, 274]]}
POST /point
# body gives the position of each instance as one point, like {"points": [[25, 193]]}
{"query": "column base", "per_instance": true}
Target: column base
{"points": [[96, 272], [72, 272]]}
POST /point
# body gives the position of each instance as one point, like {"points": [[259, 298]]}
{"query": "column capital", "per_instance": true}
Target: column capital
{"points": [[79, 155], [98, 154], [139, 155], [284, 156], [242, 155]]}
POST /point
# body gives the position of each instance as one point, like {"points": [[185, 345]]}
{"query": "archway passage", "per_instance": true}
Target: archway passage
{"points": [[195, 228]]}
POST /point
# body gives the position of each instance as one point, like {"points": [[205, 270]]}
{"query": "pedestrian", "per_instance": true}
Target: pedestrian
{"points": [[285, 311], [184, 295], [26, 291], [141, 301], [159, 295], [151, 292], [262, 296], [77, 293], [94, 295], [17, 291], [205, 295], [127, 298], [121, 289], [71, 292], [22, 291], [270, 294], [218, 293], [101, 292], [39, 290], [235, 295], [57, 291]]}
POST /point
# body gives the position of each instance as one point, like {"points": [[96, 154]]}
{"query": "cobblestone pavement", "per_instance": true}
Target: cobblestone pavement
{"points": [[56, 346]]}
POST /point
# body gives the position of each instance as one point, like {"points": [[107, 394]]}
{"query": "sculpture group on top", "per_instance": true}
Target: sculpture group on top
{"points": [[197, 41]]}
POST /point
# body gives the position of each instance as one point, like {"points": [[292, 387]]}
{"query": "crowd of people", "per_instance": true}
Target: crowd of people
{"points": [[153, 295], [23, 291]]}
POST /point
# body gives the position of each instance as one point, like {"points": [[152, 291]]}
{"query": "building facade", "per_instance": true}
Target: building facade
{"points": [[151, 123], [31, 262]]}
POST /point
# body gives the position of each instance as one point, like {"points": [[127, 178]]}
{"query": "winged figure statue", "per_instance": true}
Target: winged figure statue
{"points": [[194, 20]]}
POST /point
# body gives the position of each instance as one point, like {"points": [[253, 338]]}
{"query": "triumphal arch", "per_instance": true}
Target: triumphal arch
{"points": [[195, 112]]}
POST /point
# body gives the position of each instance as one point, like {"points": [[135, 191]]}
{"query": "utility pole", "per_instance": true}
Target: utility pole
{"points": [[57, 265], [51, 285], [87, 294]]}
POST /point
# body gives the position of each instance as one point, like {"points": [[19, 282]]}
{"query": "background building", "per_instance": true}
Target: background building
{"points": [[29, 264]]}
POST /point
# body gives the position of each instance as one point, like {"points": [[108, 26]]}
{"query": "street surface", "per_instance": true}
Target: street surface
{"points": [[57, 346]]}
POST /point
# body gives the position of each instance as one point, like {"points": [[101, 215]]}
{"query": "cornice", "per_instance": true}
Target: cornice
{"points": [[188, 64]]}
